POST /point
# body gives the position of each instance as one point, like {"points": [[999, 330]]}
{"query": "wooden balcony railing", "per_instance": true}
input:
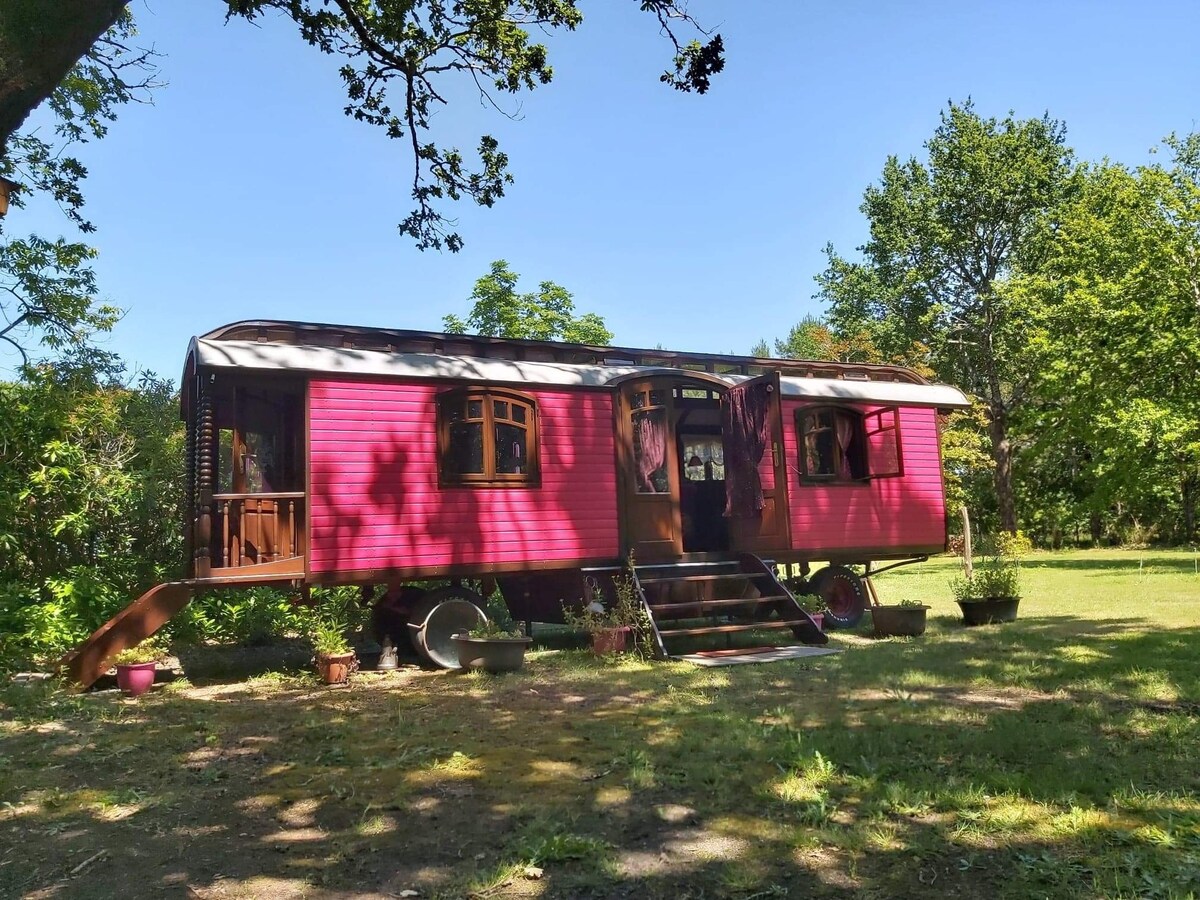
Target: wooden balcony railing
{"points": [[252, 529]]}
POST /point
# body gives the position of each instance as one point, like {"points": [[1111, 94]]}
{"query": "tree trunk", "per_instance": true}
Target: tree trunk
{"points": [[40, 40], [1002, 456], [1096, 528]]}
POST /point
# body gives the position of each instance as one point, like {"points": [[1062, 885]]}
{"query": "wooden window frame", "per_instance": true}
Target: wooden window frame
{"points": [[802, 431], [459, 397], [884, 420]]}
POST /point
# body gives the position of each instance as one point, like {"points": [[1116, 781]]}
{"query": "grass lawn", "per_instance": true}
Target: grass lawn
{"points": [[1056, 756]]}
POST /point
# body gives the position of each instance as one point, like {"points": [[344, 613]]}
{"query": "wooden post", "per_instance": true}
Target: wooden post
{"points": [[206, 470], [968, 565], [189, 499]]}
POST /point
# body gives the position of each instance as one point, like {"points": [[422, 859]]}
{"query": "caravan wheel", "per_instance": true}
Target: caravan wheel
{"points": [[844, 594]]}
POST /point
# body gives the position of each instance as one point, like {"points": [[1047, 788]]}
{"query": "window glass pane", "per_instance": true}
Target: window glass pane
{"points": [[518, 413], [454, 412], [465, 456], [650, 451], [474, 409], [833, 444], [638, 400], [695, 394], [499, 409], [225, 461], [819, 445], [658, 398], [511, 449], [260, 463], [704, 459]]}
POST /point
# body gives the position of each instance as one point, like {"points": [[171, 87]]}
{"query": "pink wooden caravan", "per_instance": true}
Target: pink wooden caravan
{"points": [[322, 454]]}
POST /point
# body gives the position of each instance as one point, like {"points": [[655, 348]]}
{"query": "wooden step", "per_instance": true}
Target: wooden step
{"points": [[692, 579], [724, 629], [732, 601], [126, 629]]}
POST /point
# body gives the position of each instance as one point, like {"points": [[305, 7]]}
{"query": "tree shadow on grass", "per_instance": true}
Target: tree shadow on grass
{"points": [[619, 779]]}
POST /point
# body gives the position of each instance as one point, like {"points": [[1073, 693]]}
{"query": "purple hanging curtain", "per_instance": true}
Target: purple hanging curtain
{"points": [[845, 431], [652, 447], [747, 432]]}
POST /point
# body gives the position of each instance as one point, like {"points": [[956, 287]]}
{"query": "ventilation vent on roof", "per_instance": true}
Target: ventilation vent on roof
{"points": [[856, 376]]}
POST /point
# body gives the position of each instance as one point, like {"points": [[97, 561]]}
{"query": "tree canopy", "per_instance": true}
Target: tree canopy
{"points": [[394, 60], [545, 315], [1119, 368], [947, 238], [47, 286]]}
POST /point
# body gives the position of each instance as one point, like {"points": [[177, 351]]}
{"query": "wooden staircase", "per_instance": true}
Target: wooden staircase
{"points": [[690, 600], [126, 629], [144, 616]]}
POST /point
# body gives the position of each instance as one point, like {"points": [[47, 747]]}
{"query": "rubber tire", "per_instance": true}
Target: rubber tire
{"points": [[844, 593]]}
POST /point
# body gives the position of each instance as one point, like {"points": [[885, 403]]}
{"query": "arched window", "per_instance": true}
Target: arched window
{"points": [[839, 443], [487, 436]]}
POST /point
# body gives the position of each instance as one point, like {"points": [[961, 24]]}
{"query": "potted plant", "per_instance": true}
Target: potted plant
{"points": [[814, 606], [496, 646], [612, 625], [335, 657], [137, 666], [990, 594], [904, 619]]}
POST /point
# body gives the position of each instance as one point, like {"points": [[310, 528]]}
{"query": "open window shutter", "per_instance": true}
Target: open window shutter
{"points": [[882, 427]]}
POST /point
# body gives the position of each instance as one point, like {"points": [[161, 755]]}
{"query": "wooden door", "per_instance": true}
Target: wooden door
{"points": [[649, 471], [769, 531]]}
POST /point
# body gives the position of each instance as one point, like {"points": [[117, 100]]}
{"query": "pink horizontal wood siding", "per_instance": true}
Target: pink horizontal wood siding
{"points": [[902, 512], [376, 503]]}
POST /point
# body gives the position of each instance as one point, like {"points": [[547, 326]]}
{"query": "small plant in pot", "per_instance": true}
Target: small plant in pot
{"points": [[610, 625], [335, 657], [904, 619], [990, 592], [496, 646], [814, 606], [137, 666]]}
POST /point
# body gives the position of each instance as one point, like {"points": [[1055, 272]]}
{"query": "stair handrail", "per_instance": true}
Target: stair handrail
{"points": [[660, 650], [763, 570]]}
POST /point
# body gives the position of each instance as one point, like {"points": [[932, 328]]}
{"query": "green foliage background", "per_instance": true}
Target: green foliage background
{"points": [[1063, 296]]}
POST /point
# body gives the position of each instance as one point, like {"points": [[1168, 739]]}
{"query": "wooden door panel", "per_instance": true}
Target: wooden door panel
{"points": [[770, 530], [652, 527]]}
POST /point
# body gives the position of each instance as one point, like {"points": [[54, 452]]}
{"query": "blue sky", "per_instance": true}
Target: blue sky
{"points": [[694, 222]]}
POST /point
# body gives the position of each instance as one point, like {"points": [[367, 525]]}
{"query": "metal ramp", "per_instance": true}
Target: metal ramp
{"points": [[685, 601]]}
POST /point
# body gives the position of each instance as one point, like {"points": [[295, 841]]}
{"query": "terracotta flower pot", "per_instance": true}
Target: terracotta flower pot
{"points": [[491, 654], [336, 669], [610, 640], [134, 679], [818, 620]]}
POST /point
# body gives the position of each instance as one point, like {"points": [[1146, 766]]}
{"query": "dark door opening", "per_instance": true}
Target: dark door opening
{"points": [[702, 477]]}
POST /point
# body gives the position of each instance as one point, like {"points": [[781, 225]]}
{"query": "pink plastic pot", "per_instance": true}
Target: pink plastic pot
{"points": [[818, 619], [135, 679]]}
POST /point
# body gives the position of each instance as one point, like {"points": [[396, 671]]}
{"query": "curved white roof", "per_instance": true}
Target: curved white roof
{"points": [[351, 362]]}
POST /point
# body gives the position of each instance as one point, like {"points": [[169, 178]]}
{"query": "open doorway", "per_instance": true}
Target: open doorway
{"points": [[701, 455]]}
